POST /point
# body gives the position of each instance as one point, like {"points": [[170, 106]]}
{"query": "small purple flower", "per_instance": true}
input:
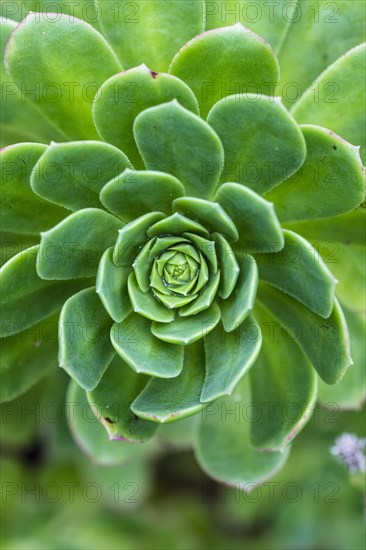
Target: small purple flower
{"points": [[350, 449]]}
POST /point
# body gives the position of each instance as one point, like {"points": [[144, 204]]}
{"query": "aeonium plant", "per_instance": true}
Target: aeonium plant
{"points": [[166, 223]]}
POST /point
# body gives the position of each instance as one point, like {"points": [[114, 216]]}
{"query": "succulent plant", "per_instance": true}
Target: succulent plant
{"points": [[164, 210]]}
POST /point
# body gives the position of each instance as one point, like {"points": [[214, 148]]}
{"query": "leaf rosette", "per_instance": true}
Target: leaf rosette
{"points": [[169, 233]]}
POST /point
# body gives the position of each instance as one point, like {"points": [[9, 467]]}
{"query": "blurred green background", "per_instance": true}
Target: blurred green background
{"points": [[53, 497]]}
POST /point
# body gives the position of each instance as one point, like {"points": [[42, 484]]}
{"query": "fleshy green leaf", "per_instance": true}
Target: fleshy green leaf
{"points": [[64, 89], [133, 194], [150, 32], [27, 357], [112, 399], [223, 447], [85, 350], [112, 287], [299, 271], [90, 435], [228, 265], [186, 330], [21, 210], [241, 301], [255, 218], [350, 393], [74, 247], [132, 237], [20, 120], [263, 144], [174, 140], [146, 304], [339, 88], [330, 182], [72, 174], [326, 30], [283, 385], [226, 61], [229, 357], [210, 214], [134, 342], [175, 398], [27, 299], [324, 341], [127, 94]]}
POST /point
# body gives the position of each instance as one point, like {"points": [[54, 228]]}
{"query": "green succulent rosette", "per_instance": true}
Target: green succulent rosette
{"points": [[174, 224]]}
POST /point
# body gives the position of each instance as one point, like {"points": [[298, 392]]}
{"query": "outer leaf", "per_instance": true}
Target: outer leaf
{"points": [[27, 357], [85, 350], [134, 342], [325, 341], [255, 218], [210, 214], [283, 385], [176, 141], [21, 210], [74, 247], [269, 20], [175, 398], [229, 357], [350, 393], [331, 29], [330, 182], [19, 119], [223, 447], [263, 144], [112, 399], [122, 97], [340, 87], [223, 62], [112, 287], [150, 32], [299, 271], [133, 194], [239, 304], [90, 435], [63, 91], [72, 174], [27, 299]]}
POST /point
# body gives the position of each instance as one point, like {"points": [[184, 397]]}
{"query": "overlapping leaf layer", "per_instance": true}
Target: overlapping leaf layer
{"points": [[172, 225]]}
